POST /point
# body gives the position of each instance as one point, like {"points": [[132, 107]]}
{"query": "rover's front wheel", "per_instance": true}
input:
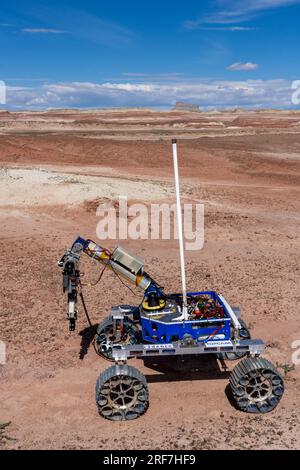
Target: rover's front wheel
{"points": [[121, 393]]}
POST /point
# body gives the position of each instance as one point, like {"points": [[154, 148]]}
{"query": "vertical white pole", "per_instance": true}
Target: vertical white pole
{"points": [[180, 231]]}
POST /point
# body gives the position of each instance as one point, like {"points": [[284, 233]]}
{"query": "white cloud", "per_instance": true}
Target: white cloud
{"points": [[195, 25], [248, 66], [25, 79], [79, 24], [237, 11], [43, 31], [153, 76], [206, 94], [84, 26]]}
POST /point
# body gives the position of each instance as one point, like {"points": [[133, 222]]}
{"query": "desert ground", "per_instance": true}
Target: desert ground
{"points": [[56, 167]]}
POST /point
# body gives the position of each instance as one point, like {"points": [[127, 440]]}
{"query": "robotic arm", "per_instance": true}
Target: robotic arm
{"points": [[120, 261]]}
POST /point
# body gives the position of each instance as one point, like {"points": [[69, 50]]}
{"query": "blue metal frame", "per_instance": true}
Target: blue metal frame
{"points": [[159, 332]]}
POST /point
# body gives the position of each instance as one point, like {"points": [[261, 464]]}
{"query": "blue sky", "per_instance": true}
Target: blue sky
{"points": [[215, 53]]}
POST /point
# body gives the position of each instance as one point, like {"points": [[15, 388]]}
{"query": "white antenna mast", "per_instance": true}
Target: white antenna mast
{"points": [[184, 315]]}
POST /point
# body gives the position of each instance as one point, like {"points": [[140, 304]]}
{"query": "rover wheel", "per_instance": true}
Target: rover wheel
{"points": [[121, 393], [256, 385], [105, 338], [244, 333]]}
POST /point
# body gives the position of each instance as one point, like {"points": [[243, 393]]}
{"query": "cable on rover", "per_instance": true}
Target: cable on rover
{"points": [[122, 282], [94, 327], [82, 298], [86, 312], [93, 284], [211, 335]]}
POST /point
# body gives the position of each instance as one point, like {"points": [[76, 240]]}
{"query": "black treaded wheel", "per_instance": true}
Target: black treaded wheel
{"points": [[256, 385], [104, 338], [244, 333], [122, 393]]}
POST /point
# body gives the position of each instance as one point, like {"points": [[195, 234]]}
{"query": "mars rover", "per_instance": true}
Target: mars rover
{"points": [[167, 325]]}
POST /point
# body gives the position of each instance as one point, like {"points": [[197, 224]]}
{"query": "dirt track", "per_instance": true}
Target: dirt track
{"points": [[247, 172]]}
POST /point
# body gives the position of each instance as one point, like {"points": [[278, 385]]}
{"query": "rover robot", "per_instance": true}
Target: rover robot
{"points": [[166, 326]]}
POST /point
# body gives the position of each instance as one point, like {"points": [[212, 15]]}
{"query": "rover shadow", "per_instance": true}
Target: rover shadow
{"points": [[177, 368], [87, 336]]}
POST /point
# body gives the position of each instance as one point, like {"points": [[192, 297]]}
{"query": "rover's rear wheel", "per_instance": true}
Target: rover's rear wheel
{"points": [[256, 385], [105, 338], [121, 393]]}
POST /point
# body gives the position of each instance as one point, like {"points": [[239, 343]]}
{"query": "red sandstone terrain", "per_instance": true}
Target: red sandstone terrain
{"points": [[55, 168]]}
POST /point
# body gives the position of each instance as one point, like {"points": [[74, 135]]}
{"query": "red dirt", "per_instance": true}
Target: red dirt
{"points": [[250, 187]]}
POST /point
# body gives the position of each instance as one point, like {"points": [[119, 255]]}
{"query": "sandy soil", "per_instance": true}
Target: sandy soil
{"points": [[247, 174]]}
